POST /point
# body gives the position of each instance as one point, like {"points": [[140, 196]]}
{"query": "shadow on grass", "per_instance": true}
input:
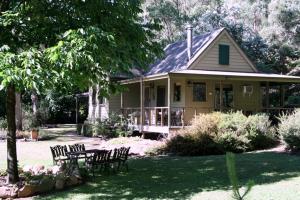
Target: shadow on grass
{"points": [[180, 177]]}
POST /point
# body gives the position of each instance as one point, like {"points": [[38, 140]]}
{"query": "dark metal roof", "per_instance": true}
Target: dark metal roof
{"points": [[176, 57]]}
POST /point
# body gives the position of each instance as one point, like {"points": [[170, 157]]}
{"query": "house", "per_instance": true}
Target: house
{"points": [[202, 74]]}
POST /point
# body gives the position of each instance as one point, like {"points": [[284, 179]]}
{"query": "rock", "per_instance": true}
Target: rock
{"points": [[46, 184], [59, 184], [7, 192], [27, 191], [60, 181], [73, 180]]}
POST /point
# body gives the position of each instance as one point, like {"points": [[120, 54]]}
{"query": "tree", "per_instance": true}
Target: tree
{"points": [[67, 44]]}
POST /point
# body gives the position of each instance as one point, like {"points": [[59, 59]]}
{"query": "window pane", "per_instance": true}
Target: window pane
{"points": [[223, 54], [199, 92]]}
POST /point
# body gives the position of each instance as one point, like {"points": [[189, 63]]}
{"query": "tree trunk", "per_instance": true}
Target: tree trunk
{"points": [[91, 114], [12, 162], [18, 112], [34, 100], [98, 104]]}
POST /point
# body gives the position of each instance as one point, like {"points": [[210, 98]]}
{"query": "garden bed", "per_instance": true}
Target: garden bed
{"points": [[38, 180]]}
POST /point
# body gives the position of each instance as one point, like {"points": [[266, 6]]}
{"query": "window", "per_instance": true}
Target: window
{"points": [[223, 54], [199, 91], [177, 92]]}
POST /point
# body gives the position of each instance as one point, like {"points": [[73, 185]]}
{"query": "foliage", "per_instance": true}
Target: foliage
{"points": [[3, 123], [260, 132], [217, 133], [114, 126], [289, 129], [69, 44], [30, 120], [193, 145], [232, 174], [230, 141], [268, 31]]}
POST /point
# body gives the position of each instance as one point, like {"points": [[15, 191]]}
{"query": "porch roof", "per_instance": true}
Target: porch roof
{"points": [[240, 75]]}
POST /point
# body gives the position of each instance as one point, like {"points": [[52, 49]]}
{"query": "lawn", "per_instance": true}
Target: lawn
{"points": [[277, 176]]}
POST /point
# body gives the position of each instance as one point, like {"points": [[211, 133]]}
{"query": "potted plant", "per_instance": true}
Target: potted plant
{"points": [[34, 128]]}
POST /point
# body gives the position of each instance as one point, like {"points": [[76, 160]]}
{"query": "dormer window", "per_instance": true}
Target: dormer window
{"points": [[223, 54]]}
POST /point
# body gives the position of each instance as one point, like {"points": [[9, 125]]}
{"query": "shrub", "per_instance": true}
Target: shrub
{"points": [[217, 132], [230, 141], [191, 145], [289, 129], [114, 126], [260, 132], [234, 122]]}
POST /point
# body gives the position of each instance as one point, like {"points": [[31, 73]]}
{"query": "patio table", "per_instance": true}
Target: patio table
{"points": [[74, 156]]}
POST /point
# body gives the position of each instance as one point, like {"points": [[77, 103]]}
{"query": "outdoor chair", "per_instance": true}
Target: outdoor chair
{"points": [[100, 160], [122, 157], [59, 153], [77, 148]]}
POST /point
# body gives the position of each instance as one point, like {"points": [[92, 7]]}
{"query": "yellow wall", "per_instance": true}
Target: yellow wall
{"points": [[241, 101], [209, 60]]}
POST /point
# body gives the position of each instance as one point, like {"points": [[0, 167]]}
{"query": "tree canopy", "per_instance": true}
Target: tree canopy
{"points": [[66, 44], [268, 30]]}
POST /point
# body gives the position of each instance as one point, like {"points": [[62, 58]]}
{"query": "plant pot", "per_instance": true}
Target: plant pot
{"points": [[34, 134]]}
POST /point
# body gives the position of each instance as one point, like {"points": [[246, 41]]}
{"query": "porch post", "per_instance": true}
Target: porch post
{"points": [[142, 104], [221, 96], [122, 101], [267, 96], [76, 98], [169, 101], [282, 94]]}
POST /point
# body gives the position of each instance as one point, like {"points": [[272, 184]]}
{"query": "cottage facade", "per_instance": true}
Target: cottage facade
{"points": [[203, 74]]}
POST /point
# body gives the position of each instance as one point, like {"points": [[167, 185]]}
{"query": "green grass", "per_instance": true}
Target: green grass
{"points": [[31, 153], [277, 176]]}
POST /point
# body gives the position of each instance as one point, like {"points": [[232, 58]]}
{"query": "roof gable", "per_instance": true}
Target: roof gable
{"points": [[176, 57], [208, 57]]}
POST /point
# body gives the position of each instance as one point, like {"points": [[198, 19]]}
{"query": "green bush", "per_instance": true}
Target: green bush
{"points": [[217, 133], [114, 126], [190, 145], [289, 129], [260, 132], [3, 123], [230, 141]]}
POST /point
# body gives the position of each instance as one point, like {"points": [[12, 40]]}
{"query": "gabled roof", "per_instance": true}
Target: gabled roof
{"points": [[176, 57]]}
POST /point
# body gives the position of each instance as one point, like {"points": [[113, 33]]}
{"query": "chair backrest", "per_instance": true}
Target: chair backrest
{"points": [[123, 153], [115, 154], [59, 151], [102, 156], [76, 147]]}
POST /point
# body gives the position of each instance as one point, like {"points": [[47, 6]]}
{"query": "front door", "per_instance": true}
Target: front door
{"points": [[161, 96], [227, 97]]}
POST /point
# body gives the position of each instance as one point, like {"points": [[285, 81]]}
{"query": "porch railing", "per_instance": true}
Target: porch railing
{"points": [[158, 116]]}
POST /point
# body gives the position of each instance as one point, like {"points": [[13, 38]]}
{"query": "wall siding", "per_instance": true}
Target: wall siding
{"points": [[210, 59], [115, 104]]}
